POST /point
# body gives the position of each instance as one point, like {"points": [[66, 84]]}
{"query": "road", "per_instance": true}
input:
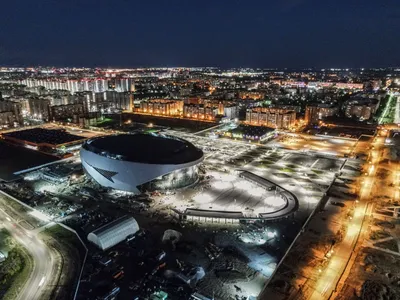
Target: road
{"points": [[42, 257], [330, 275]]}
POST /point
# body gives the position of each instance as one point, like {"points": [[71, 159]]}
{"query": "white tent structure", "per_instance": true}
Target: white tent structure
{"points": [[114, 232]]}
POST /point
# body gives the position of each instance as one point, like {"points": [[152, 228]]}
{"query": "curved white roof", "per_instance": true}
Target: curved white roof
{"points": [[114, 232]]}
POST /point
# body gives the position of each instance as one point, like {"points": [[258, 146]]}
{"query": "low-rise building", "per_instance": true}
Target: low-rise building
{"points": [[250, 132]]}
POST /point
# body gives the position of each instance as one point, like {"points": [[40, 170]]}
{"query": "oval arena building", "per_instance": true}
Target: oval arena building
{"points": [[137, 162]]}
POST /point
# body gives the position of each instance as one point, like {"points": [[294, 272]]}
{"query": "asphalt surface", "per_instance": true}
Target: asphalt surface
{"points": [[42, 257]]}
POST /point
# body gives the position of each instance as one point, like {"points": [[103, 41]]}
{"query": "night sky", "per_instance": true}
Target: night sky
{"points": [[225, 33]]}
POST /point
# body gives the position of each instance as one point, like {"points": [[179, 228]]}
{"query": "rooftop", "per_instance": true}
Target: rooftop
{"points": [[122, 221], [43, 136], [14, 159], [145, 148]]}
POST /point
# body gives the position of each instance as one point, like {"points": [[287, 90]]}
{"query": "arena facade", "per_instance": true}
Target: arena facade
{"points": [[136, 162]]}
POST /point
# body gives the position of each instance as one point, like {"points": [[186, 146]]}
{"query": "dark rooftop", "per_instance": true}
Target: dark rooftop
{"points": [[15, 158], [44, 136], [145, 148]]}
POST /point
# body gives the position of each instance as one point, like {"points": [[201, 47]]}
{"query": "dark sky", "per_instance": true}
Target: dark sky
{"points": [[226, 33]]}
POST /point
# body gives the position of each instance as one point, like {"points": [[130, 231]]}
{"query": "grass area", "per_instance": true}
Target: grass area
{"points": [[5, 240], [16, 210], [263, 166], [14, 204], [105, 122], [71, 253], [287, 170], [381, 107], [15, 270], [386, 110], [62, 235]]}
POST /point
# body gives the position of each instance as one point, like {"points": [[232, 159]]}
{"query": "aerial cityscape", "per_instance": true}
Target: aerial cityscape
{"points": [[187, 152]]}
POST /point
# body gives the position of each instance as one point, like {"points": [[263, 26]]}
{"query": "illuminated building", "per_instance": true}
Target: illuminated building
{"points": [[317, 112], [11, 112], [271, 117], [6, 118], [251, 95], [200, 111], [160, 107], [62, 112], [220, 108], [131, 97], [338, 85], [361, 108], [231, 111], [39, 108], [96, 85]]}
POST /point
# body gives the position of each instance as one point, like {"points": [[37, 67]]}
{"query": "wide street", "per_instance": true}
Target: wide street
{"points": [[330, 275], [42, 272]]}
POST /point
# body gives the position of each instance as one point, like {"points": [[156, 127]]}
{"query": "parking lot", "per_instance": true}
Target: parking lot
{"points": [[305, 171], [333, 146]]}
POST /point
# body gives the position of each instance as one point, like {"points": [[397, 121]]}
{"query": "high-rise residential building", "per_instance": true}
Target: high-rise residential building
{"points": [[11, 112], [231, 111], [317, 112], [361, 108], [220, 108], [39, 108], [200, 111], [131, 96], [97, 85], [6, 119], [161, 107], [271, 117], [62, 112]]}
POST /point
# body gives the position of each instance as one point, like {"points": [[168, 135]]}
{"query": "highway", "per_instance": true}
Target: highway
{"points": [[331, 274], [43, 260]]}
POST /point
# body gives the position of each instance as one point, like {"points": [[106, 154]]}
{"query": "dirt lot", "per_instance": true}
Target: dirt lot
{"points": [[375, 275]]}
